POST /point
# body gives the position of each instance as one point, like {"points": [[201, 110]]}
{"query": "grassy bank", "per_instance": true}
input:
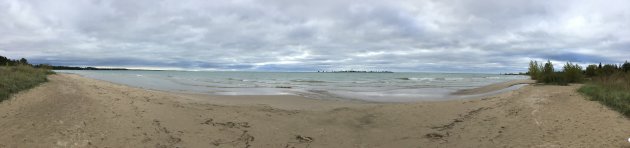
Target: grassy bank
{"points": [[608, 84], [17, 78], [612, 91]]}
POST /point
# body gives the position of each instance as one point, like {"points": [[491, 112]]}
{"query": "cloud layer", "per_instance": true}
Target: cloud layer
{"points": [[288, 35]]}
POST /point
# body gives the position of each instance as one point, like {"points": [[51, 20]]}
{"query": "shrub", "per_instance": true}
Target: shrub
{"points": [[591, 70], [572, 73], [545, 73], [548, 75], [608, 70]]}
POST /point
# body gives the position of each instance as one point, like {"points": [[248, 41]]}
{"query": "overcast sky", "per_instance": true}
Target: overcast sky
{"points": [[295, 35]]}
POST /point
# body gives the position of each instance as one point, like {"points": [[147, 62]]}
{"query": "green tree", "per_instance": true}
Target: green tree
{"points": [[572, 73], [547, 72], [548, 68], [534, 70], [23, 61], [4, 61], [591, 70], [608, 69], [549, 75], [625, 67]]}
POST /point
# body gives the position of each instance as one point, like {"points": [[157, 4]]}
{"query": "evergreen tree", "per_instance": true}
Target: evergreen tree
{"points": [[625, 67], [23, 61], [4, 61]]}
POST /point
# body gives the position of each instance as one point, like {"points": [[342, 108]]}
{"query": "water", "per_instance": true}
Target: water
{"points": [[379, 87]]}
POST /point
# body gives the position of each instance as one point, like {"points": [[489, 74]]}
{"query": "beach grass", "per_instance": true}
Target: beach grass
{"points": [[612, 91], [17, 78]]}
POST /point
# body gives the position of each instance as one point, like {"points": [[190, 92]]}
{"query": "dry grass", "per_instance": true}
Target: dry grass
{"points": [[17, 78], [612, 91]]}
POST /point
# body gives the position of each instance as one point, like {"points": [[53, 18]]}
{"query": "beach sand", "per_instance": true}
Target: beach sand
{"points": [[72, 111]]}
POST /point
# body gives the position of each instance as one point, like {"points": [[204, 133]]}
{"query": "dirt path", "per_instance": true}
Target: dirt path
{"points": [[71, 111]]}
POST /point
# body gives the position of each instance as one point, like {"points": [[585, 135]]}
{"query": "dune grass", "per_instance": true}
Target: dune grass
{"points": [[612, 91], [17, 78]]}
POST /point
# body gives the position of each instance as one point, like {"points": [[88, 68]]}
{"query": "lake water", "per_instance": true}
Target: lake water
{"points": [[379, 87]]}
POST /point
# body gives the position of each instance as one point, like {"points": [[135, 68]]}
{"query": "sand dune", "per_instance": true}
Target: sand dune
{"points": [[72, 111]]}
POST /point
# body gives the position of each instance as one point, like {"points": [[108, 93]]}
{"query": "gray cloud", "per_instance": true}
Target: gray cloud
{"points": [[286, 35]]}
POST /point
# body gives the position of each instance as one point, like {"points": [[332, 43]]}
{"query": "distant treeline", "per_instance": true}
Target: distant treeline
{"points": [[83, 68], [356, 71], [572, 73], [520, 73], [4, 61]]}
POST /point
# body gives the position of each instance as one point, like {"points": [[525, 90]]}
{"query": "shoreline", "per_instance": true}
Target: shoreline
{"points": [[74, 111], [286, 102], [463, 94], [300, 102], [406, 95]]}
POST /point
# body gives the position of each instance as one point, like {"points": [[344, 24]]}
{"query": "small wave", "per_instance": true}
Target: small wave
{"points": [[453, 79], [422, 79], [417, 79], [366, 82], [309, 81], [234, 79]]}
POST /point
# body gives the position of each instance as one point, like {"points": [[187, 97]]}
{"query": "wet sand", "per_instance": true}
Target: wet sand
{"points": [[72, 111], [492, 87]]}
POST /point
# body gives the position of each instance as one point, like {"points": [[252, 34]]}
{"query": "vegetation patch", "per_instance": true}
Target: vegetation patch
{"points": [[546, 73], [18, 75], [608, 84], [611, 90]]}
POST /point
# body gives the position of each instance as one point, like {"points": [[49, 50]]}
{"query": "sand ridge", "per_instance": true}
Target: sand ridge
{"points": [[492, 87], [72, 111]]}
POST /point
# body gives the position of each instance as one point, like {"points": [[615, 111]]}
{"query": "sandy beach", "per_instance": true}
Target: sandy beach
{"points": [[73, 111]]}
